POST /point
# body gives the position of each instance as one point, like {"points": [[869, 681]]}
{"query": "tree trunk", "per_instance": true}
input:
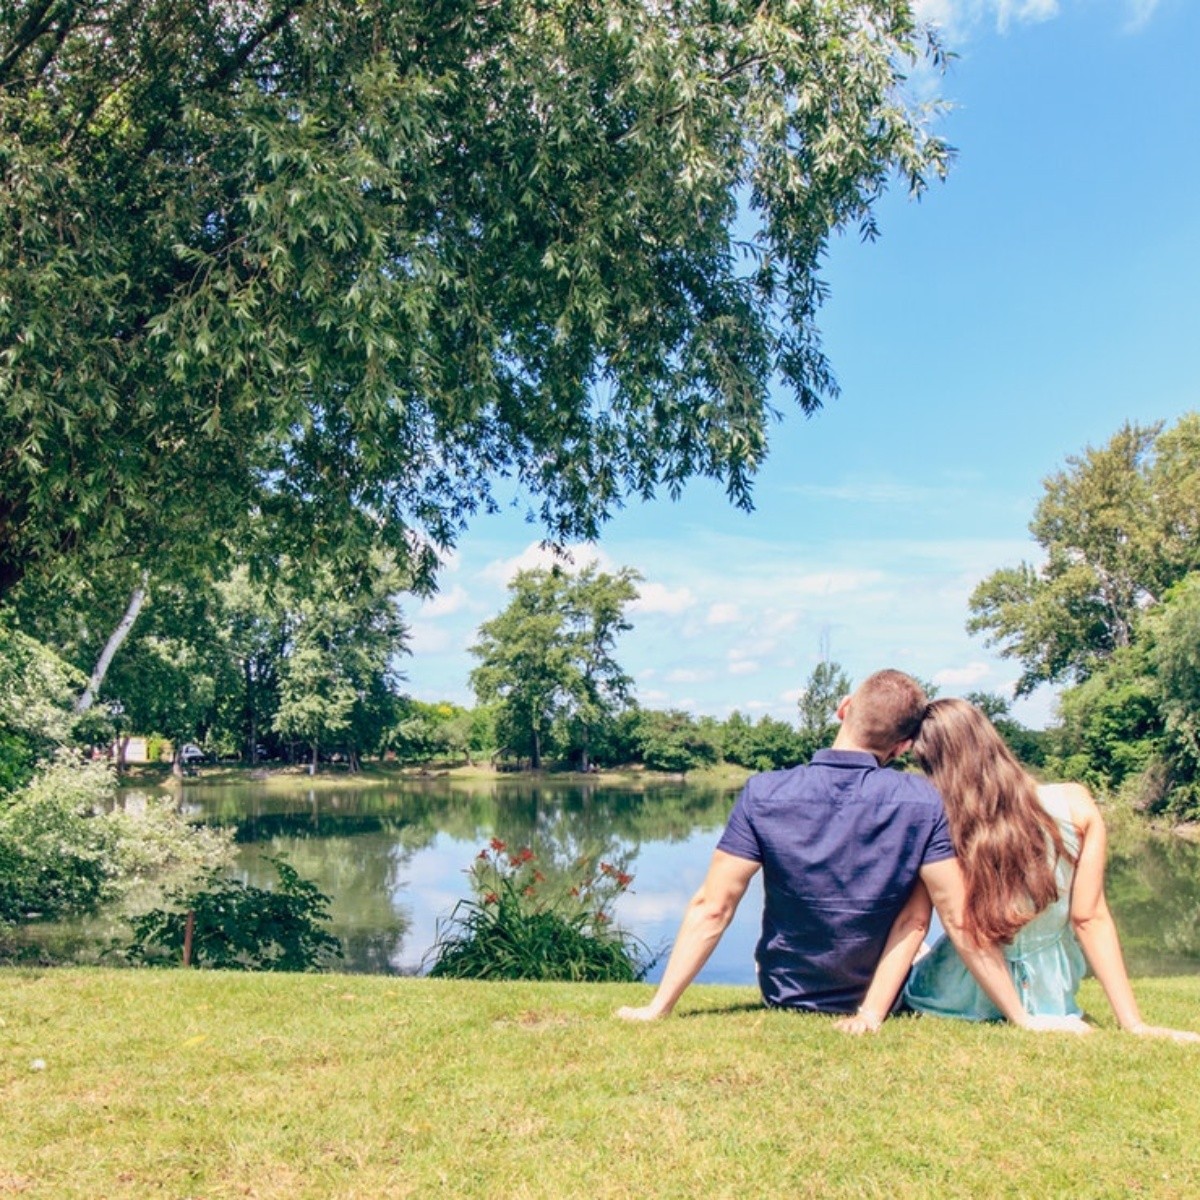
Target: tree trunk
{"points": [[88, 697], [312, 766], [251, 712], [535, 759]]}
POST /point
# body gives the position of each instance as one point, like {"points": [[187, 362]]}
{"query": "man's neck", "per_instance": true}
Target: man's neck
{"points": [[846, 741]]}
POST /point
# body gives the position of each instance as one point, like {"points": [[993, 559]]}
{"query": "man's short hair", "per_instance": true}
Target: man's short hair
{"points": [[888, 708]]}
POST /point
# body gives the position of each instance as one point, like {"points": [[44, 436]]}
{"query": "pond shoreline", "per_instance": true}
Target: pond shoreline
{"points": [[376, 774], [382, 774]]}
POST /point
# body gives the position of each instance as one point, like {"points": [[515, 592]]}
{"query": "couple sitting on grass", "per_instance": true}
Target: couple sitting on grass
{"points": [[854, 856]]}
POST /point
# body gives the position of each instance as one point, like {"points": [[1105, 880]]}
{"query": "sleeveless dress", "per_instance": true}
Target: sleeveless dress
{"points": [[1044, 958]]}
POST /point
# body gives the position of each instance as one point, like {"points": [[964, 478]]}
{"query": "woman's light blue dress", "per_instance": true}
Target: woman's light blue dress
{"points": [[1044, 958]]}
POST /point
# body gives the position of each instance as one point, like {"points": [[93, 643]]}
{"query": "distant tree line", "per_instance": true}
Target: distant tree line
{"points": [[669, 740], [301, 670]]}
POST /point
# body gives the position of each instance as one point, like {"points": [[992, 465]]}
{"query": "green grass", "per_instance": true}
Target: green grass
{"points": [[203, 1084]]}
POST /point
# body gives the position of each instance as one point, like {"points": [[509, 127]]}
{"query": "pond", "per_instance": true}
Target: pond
{"points": [[393, 860]]}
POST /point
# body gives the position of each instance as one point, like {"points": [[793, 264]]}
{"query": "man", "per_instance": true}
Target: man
{"points": [[841, 843]]}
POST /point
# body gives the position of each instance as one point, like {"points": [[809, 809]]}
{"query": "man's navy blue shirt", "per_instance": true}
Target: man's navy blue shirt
{"points": [[840, 842]]}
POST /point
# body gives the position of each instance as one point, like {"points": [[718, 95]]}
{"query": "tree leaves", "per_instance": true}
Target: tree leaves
{"points": [[340, 268], [1119, 528]]}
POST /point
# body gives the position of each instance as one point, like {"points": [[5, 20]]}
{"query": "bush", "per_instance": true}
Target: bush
{"points": [[36, 717], [241, 928], [64, 850], [57, 851], [674, 741], [17, 758], [518, 926]]}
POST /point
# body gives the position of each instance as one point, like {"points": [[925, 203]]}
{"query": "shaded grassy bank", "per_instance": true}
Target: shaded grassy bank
{"points": [[215, 1085], [374, 774]]}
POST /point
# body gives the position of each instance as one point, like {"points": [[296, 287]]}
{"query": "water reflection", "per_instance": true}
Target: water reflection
{"points": [[393, 861], [1154, 891]]}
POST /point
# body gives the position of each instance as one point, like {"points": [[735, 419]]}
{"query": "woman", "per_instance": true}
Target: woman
{"points": [[1033, 859]]}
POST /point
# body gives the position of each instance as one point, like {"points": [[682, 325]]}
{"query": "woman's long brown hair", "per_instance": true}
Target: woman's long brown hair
{"points": [[1002, 834]]}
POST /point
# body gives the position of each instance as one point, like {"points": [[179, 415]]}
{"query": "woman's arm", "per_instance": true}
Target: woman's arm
{"points": [[1093, 922], [904, 940]]}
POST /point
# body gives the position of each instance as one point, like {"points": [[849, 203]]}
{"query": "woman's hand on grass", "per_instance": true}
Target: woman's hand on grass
{"points": [[1161, 1031], [1056, 1024]]}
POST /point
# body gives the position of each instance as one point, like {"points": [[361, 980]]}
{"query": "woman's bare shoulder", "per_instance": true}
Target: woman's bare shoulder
{"points": [[1076, 797]]}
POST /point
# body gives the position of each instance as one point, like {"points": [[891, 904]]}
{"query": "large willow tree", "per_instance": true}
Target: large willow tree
{"points": [[324, 272]]}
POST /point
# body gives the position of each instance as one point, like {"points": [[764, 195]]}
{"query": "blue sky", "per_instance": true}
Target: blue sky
{"points": [[1021, 311]]}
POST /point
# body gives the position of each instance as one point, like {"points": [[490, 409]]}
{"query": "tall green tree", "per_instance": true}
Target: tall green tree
{"points": [[596, 604], [524, 663], [1118, 527], [1173, 649], [1110, 725], [254, 631], [338, 680], [818, 703], [548, 657], [171, 671], [340, 265]]}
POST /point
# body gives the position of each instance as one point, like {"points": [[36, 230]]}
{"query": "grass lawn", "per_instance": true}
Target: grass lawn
{"points": [[202, 1084]]}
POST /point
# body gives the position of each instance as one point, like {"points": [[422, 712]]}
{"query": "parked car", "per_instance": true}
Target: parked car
{"points": [[191, 753]]}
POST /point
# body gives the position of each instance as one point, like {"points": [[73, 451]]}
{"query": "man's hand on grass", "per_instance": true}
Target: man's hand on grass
{"points": [[861, 1022], [647, 1012]]}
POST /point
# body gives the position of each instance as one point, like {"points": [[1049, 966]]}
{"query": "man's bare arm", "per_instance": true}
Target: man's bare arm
{"points": [[707, 917]]}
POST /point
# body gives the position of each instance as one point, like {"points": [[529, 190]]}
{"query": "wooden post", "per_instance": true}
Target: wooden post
{"points": [[188, 929]]}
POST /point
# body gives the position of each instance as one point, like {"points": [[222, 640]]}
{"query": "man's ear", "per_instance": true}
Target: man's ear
{"points": [[843, 708]]}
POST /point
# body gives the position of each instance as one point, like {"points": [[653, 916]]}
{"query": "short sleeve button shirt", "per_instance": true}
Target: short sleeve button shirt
{"points": [[840, 842]]}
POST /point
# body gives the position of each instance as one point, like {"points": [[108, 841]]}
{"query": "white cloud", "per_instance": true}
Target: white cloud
{"points": [[1140, 12], [1032, 11], [962, 676], [658, 598], [444, 604], [723, 614], [644, 908], [540, 556], [428, 639], [781, 622], [875, 491], [960, 18], [744, 666], [688, 675], [826, 583]]}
